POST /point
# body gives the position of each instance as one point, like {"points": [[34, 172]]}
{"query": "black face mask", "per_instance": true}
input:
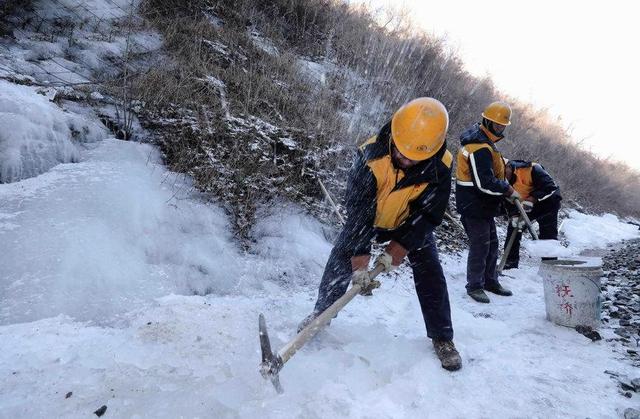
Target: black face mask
{"points": [[488, 125]]}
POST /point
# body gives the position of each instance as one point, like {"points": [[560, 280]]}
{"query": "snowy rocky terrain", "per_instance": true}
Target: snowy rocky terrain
{"points": [[622, 297]]}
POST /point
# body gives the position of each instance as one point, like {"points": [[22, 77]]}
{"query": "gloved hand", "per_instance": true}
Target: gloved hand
{"points": [[363, 279], [511, 195], [392, 256], [527, 205], [360, 276], [517, 222]]}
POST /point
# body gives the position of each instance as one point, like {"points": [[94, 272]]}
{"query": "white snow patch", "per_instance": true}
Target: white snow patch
{"points": [[98, 238], [584, 231], [217, 46], [265, 44], [289, 142], [215, 21], [292, 244], [317, 72], [221, 87], [546, 248]]}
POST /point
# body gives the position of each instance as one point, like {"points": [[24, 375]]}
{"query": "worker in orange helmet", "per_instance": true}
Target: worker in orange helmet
{"points": [[398, 192], [481, 187]]}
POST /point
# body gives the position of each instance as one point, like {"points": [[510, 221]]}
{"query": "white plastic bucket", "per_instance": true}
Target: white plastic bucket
{"points": [[572, 290]]}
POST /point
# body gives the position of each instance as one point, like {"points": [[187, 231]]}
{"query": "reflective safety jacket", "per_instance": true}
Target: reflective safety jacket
{"points": [[531, 180], [389, 203], [480, 176]]}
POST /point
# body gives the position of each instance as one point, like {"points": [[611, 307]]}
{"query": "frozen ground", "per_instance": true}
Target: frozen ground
{"points": [[99, 266]]}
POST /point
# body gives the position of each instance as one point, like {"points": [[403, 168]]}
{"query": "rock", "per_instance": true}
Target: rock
{"points": [[631, 413], [621, 296], [101, 411], [588, 332], [626, 386], [68, 395], [636, 384], [622, 332]]}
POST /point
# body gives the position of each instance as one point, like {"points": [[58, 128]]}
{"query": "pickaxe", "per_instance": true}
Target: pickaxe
{"points": [[273, 363]]}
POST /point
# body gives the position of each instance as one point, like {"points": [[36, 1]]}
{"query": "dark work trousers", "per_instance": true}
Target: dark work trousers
{"points": [[483, 252], [546, 213], [431, 285]]}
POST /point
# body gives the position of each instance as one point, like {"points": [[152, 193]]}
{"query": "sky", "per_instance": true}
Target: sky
{"points": [[579, 59]]}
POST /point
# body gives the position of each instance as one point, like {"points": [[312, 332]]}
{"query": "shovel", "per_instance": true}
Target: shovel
{"points": [[273, 363]]}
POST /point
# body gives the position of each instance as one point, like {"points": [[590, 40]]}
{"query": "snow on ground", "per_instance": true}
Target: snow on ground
{"points": [[100, 262], [584, 231], [547, 248]]}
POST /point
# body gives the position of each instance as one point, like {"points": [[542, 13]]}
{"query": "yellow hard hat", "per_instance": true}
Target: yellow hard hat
{"points": [[419, 127], [498, 112]]}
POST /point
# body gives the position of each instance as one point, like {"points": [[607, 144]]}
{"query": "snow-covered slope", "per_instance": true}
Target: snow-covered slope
{"points": [[97, 238], [99, 264], [37, 134]]}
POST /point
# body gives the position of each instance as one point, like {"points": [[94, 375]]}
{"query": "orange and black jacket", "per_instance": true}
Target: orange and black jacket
{"points": [[389, 203], [531, 180], [480, 174]]}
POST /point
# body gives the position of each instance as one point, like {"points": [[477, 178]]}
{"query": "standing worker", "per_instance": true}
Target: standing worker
{"points": [[398, 191], [480, 188], [540, 199]]}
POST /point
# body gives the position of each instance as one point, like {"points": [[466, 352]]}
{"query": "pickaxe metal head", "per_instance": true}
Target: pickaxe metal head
{"points": [[271, 364]]}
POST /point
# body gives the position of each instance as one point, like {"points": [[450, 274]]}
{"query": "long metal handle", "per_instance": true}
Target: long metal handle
{"points": [[507, 249], [316, 325], [524, 215], [454, 220]]}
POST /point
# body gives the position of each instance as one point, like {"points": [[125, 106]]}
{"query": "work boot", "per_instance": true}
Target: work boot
{"points": [[479, 296], [447, 354], [498, 289]]}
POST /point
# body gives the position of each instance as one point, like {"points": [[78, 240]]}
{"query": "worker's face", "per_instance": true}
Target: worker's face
{"points": [[497, 128], [400, 160]]}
